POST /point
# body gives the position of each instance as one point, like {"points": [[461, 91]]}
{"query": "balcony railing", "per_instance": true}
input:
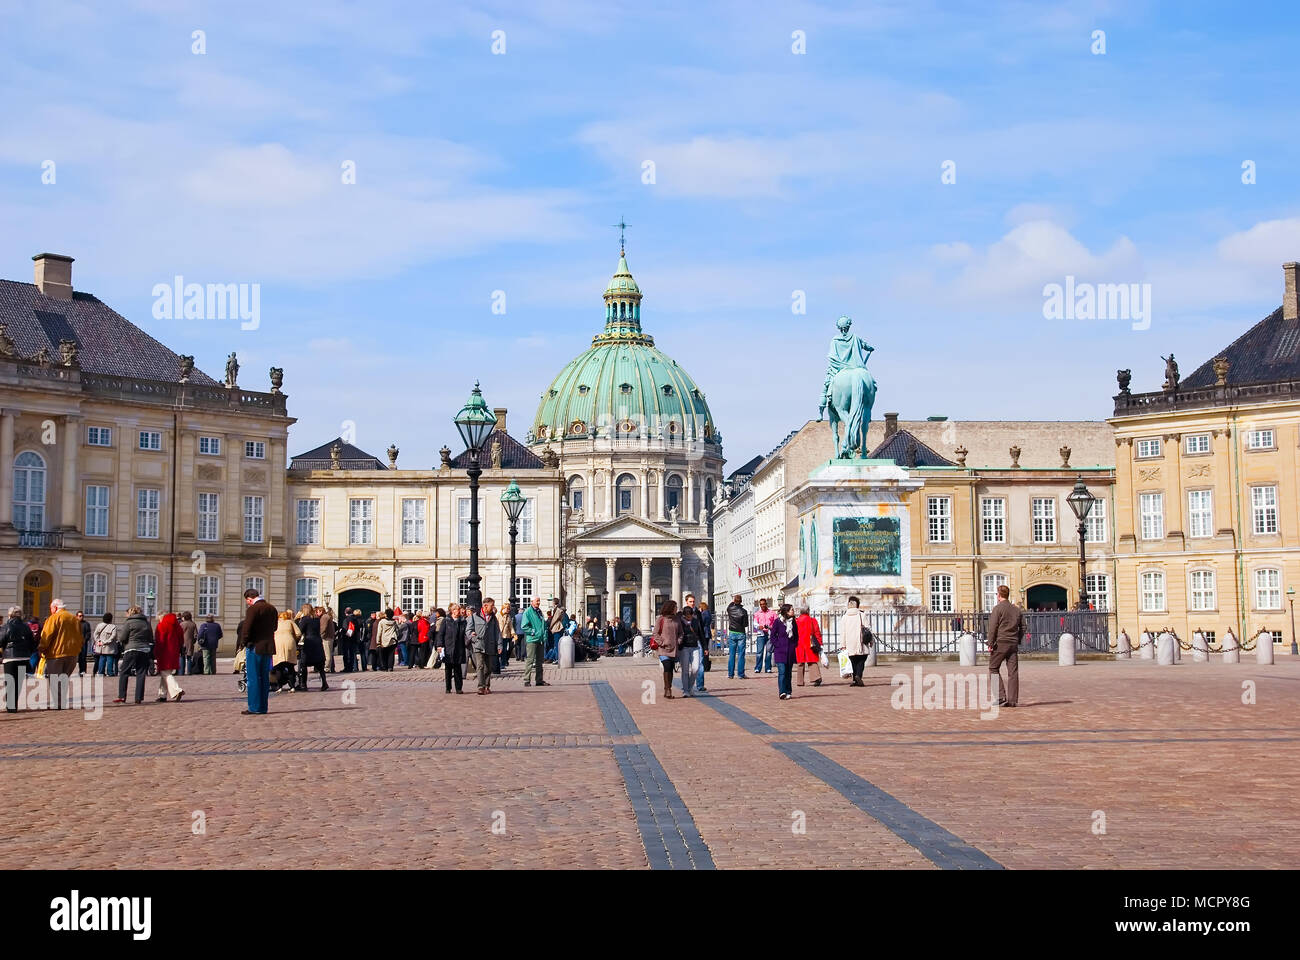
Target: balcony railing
{"points": [[41, 539]]}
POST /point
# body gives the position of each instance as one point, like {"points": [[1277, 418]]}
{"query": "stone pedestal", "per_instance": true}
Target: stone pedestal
{"points": [[1166, 644], [1123, 649], [1264, 648], [966, 649], [1200, 649], [638, 647], [566, 652], [1231, 649], [1065, 650], [1146, 649], [855, 537]]}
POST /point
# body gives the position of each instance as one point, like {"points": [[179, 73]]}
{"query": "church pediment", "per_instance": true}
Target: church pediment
{"points": [[627, 528]]}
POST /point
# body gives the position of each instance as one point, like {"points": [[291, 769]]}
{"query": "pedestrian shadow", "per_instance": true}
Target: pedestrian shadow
{"points": [[1043, 703]]}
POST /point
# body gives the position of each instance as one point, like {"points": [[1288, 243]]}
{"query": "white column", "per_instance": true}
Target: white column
{"points": [[611, 600], [644, 616], [659, 495], [68, 513], [609, 491], [677, 580], [6, 466], [645, 495], [689, 513]]}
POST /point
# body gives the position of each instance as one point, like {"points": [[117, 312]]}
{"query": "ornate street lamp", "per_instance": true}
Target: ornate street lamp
{"points": [[1290, 595], [475, 421], [1081, 501], [513, 502]]}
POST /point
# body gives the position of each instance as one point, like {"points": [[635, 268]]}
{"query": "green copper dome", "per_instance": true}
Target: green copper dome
{"points": [[623, 386]]}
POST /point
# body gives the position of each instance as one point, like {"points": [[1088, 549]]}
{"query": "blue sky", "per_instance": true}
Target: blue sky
{"points": [[774, 172]]}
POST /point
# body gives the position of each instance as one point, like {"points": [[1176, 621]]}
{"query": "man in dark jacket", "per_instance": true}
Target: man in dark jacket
{"points": [[1005, 631], [451, 641], [258, 631], [484, 633], [210, 635], [137, 653], [17, 644], [737, 631], [86, 633]]}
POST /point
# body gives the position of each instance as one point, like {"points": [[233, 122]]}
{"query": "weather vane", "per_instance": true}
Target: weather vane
{"points": [[622, 246]]}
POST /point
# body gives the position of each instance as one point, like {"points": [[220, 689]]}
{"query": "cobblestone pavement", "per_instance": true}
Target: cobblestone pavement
{"points": [[599, 770]]}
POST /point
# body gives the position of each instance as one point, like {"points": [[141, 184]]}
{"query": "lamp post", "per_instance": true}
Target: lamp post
{"points": [[513, 502], [1081, 501], [1290, 595], [475, 421]]}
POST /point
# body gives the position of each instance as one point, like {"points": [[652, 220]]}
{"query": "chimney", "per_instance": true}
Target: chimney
{"points": [[500, 413], [1290, 299], [891, 425], [54, 275]]}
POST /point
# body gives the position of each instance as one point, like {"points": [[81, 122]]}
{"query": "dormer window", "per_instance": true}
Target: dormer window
{"points": [[697, 394], [554, 392], [583, 388], [577, 428], [625, 388], [668, 389]]}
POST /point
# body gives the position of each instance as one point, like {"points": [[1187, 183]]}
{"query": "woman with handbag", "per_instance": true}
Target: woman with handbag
{"points": [[809, 653], [665, 642], [785, 643], [855, 638]]}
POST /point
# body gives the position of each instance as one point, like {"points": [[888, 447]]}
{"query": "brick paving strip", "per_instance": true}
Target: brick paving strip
{"points": [[668, 831], [941, 847]]}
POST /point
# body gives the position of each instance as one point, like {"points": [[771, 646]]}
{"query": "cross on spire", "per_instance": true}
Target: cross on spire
{"points": [[622, 246]]}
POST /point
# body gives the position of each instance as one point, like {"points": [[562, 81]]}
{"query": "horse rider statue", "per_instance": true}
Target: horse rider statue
{"points": [[849, 392]]}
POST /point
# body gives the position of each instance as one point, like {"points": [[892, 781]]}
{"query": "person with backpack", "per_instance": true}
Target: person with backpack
{"points": [[737, 629], [137, 647], [209, 639]]}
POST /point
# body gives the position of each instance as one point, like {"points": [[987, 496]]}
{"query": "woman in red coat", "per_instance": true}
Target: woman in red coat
{"points": [[168, 637], [810, 634]]}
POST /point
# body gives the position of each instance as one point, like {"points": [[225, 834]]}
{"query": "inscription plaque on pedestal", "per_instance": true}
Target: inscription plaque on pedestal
{"points": [[867, 546]]}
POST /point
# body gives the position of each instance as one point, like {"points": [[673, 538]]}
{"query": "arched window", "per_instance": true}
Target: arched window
{"points": [[673, 495], [624, 488], [575, 492], [29, 491]]}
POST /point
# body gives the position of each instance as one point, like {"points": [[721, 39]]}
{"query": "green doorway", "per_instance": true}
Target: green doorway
{"points": [[367, 601], [1046, 596]]}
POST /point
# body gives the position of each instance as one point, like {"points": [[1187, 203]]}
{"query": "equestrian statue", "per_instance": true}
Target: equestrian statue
{"points": [[848, 393]]}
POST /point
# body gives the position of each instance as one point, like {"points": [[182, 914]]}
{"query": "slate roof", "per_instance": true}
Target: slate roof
{"points": [[514, 455], [896, 448], [107, 343], [350, 458], [745, 470], [1268, 351]]}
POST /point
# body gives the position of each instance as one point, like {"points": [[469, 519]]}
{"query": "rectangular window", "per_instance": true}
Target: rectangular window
{"points": [[99, 436], [361, 522], [1044, 520], [941, 593], [527, 526], [412, 595], [1201, 584], [1275, 634], [1147, 449], [577, 499], [255, 583], [462, 519], [1200, 513], [253, 510], [254, 450], [209, 590], [624, 501], [150, 440], [146, 593], [1268, 589], [412, 522], [1095, 526], [1098, 585], [524, 591], [940, 519], [209, 509], [309, 521], [96, 511], [1198, 443], [991, 583], [462, 590], [1259, 440], [1153, 591], [146, 514], [210, 446], [1151, 507], [1263, 509], [305, 590], [993, 519], [94, 594]]}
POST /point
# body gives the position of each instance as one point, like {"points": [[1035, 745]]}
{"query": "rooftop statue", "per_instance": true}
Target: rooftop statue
{"points": [[849, 392]]}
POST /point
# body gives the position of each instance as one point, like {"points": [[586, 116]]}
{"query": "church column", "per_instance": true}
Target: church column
{"points": [[6, 466], [659, 494], [689, 513], [609, 491], [645, 494], [68, 513], [611, 601], [677, 580], [644, 616]]}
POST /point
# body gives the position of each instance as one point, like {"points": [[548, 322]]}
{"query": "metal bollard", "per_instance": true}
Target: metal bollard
{"points": [[1147, 651], [1165, 646], [1065, 650], [1231, 649], [1264, 647], [1200, 649], [1123, 647]]}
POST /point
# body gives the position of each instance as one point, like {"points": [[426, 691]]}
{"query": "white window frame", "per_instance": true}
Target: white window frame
{"points": [[1151, 514], [208, 592], [97, 512], [993, 518], [1202, 590], [1098, 586], [30, 507], [1267, 592], [528, 521], [938, 512], [1263, 510], [146, 583], [991, 583], [462, 519], [412, 595], [254, 449], [149, 440], [308, 527], [524, 592], [462, 591], [942, 593], [94, 593], [1200, 513], [1094, 530], [306, 590], [413, 521], [256, 583], [99, 436], [213, 444], [361, 522], [207, 527], [1192, 443], [1151, 591], [148, 513], [1255, 439], [1148, 448], [1044, 519], [254, 519]]}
